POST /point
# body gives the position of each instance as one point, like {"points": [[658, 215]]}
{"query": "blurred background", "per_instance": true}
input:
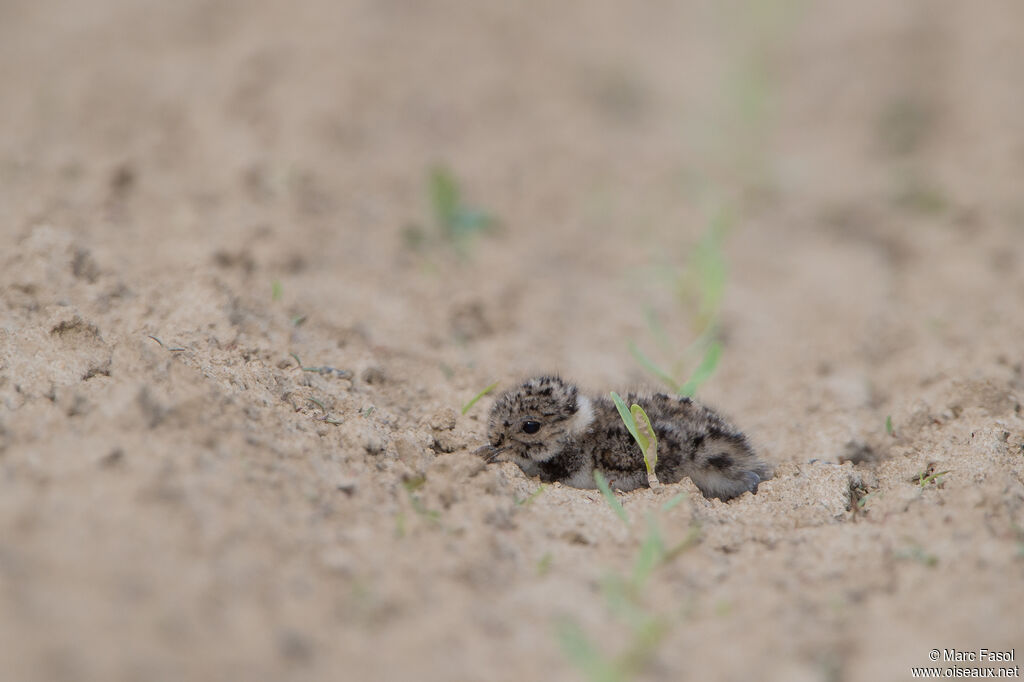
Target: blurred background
{"points": [[603, 140]]}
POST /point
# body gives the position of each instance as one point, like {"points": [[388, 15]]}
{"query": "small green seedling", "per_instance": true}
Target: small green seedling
{"points": [[865, 499], [888, 425], [706, 344], [700, 286], [584, 654], [923, 479], [597, 666], [627, 601], [639, 425], [276, 290], [457, 221], [468, 406]]}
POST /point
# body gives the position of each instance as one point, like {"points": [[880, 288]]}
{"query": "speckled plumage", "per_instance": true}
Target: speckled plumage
{"points": [[575, 434]]}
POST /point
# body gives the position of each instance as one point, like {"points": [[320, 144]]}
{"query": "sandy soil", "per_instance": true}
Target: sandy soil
{"points": [[199, 507]]}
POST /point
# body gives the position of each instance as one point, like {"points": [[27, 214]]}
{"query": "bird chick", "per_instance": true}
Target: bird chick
{"points": [[551, 430]]}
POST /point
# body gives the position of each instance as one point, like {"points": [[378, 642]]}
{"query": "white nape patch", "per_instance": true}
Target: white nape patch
{"points": [[584, 416]]}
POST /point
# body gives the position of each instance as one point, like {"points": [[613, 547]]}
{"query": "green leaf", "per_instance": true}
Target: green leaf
{"points": [[644, 428], [627, 418], [467, 220]]}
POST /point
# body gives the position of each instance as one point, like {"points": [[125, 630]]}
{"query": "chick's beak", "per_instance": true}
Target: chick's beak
{"points": [[489, 452]]}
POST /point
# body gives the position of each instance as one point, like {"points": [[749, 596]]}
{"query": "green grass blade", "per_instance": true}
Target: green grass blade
{"points": [[641, 650], [936, 477], [709, 264], [468, 406], [703, 281], [532, 496], [644, 361], [609, 496], [704, 370], [651, 552], [699, 346], [621, 600], [657, 330], [584, 654]]}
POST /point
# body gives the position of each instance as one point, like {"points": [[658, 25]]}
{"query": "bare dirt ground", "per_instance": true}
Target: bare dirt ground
{"points": [[243, 182]]}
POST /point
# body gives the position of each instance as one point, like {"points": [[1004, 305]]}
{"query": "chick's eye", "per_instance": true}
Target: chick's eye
{"points": [[531, 426]]}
